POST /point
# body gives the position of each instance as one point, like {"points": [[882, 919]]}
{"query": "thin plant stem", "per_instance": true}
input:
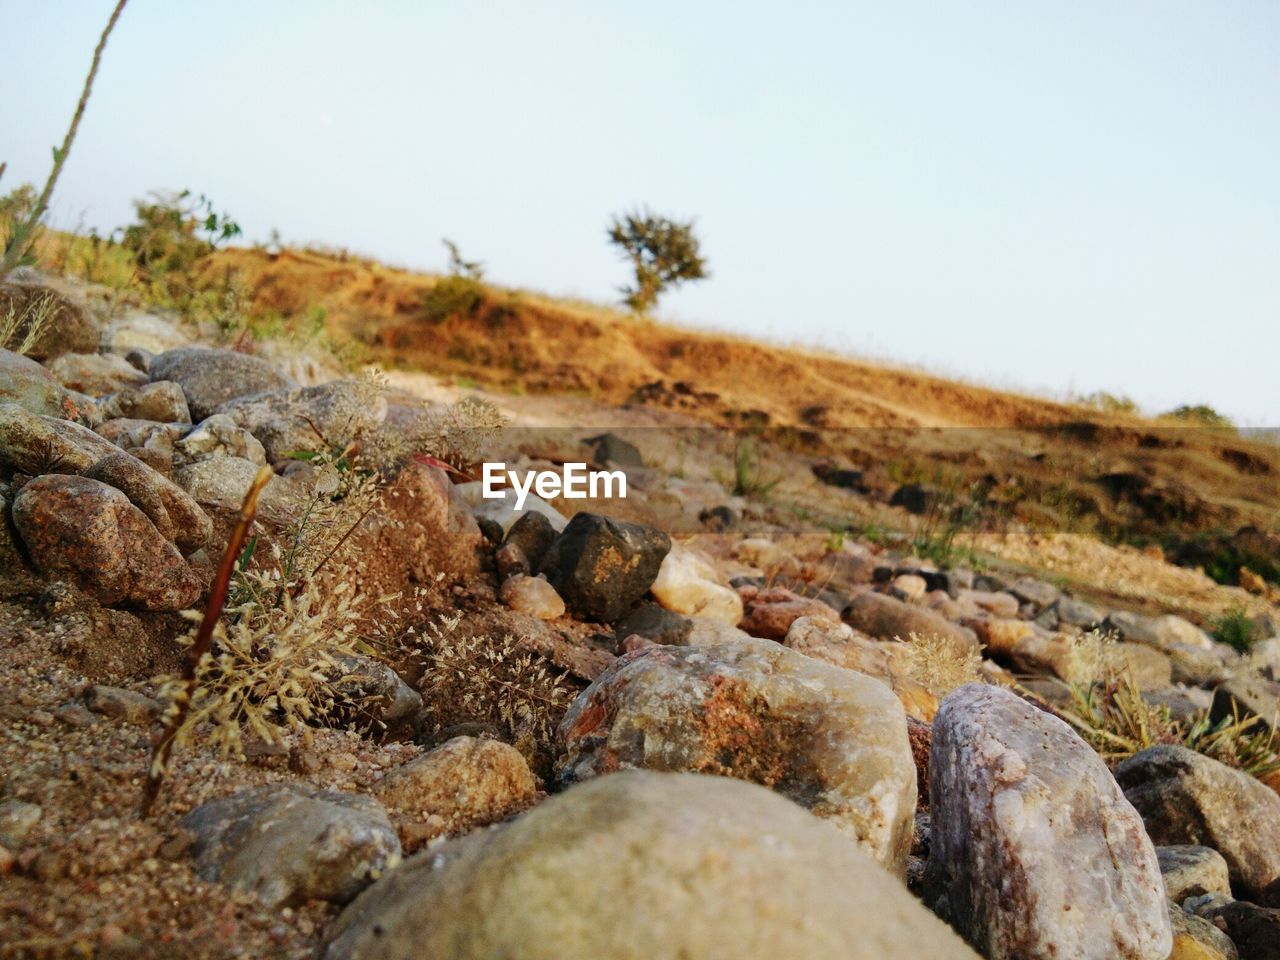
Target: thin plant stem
{"points": [[203, 641], [23, 236]]}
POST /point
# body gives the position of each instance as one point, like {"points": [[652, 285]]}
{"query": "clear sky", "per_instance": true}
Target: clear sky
{"points": [[1057, 196]]}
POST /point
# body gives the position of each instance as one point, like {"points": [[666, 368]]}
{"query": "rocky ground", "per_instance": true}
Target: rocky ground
{"points": [[687, 724]]}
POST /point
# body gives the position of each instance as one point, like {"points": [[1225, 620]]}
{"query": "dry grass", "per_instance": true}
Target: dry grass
{"points": [[939, 664], [23, 323]]}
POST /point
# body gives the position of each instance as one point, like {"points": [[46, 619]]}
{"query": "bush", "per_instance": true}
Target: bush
{"points": [[452, 296], [1235, 629], [662, 251], [1201, 415]]}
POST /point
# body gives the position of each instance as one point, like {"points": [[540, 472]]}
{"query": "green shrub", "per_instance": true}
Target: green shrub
{"points": [[1235, 629], [452, 296], [1201, 415], [663, 253]]}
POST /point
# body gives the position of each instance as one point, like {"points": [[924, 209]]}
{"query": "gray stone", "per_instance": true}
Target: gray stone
{"points": [[210, 377], [643, 865], [885, 618], [1247, 693], [656, 623], [1187, 798], [1191, 871], [219, 436], [160, 402], [1035, 852], [221, 483], [375, 692], [1035, 592], [832, 740], [601, 566], [1078, 613], [308, 419], [533, 534], [38, 444], [127, 705], [289, 845], [29, 385]]}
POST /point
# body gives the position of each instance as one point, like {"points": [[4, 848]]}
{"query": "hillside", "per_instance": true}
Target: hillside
{"points": [[1052, 465]]}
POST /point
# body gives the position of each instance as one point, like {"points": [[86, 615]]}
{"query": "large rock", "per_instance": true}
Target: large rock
{"points": [[89, 532], [41, 444], [885, 618], [162, 402], [308, 419], [602, 566], [1195, 938], [211, 377], [289, 845], [643, 865], [1186, 797], [832, 740], [460, 785], [1254, 930], [60, 325], [1035, 852], [688, 583], [221, 483], [218, 436]]}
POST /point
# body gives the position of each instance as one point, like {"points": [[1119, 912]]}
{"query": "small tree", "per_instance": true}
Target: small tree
{"points": [[664, 253]]}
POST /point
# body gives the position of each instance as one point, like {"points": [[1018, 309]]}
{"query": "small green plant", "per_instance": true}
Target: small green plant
{"points": [[663, 253], [749, 477], [1235, 629], [945, 518], [1108, 402], [20, 239], [175, 230]]}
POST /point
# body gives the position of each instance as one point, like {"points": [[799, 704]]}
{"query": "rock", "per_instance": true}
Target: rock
{"points": [[375, 693], [121, 704], [1078, 613], [767, 556], [532, 596], [833, 740], [914, 498], [1254, 930], [96, 374], [533, 534], [770, 613], [502, 510], [1183, 703], [645, 865], [609, 448], [1195, 938], [220, 483], [1035, 852], [509, 560], [176, 516], [210, 377], [888, 619], [136, 330], [719, 518], [218, 436], [460, 785], [60, 325], [160, 402], [35, 444], [909, 586], [839, 644], [1185, 797], [91, 533], [16, 820], [999, 635], [602, 566], [29, 385], [1191, 871], [289, 845], [996, 603], [1035, 592], [131, 435], [1247, 693], [1163, 633], [1150, 669], [688, 583], [705, 632], [308, 419], [655, 623]]}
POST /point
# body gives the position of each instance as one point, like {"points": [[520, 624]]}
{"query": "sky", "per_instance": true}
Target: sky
{"points": [[1029, 194]]}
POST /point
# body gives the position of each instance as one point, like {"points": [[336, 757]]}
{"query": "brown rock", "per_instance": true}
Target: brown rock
{"points": [[889, 619], [460, 785], [173, 511], [90, 532], [64, 327]]}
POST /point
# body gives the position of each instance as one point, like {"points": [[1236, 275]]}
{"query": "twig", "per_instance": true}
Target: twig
{"points": [[203, 641], [22, 236]]}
